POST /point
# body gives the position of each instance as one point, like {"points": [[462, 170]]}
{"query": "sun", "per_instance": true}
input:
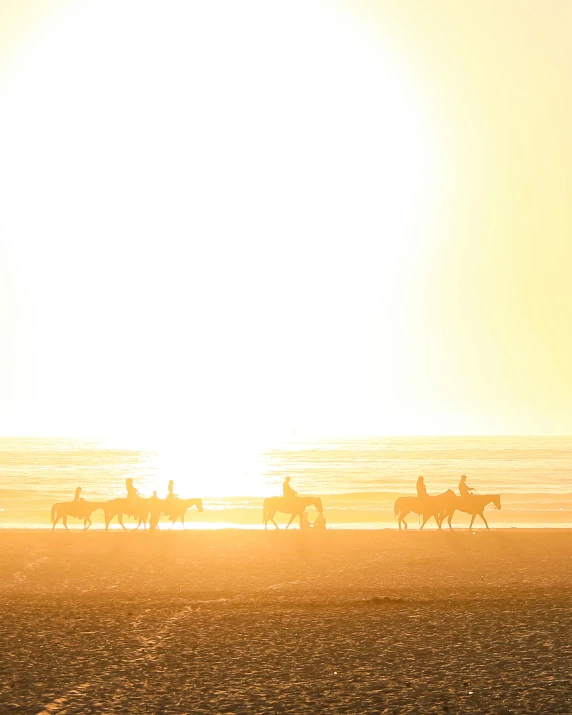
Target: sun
{"points": [[207, 203]]}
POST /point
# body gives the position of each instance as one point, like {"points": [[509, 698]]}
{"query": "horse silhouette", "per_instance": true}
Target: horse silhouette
{"points": [[78, 509], [137, 507], [473, 505], [177, 508], [294, 506], [426, 506]]}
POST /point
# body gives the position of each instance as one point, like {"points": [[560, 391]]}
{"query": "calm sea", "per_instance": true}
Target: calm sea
{"points": [[358, 479]]}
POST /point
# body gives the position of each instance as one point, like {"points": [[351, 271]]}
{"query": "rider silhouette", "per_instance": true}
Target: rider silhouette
{"points": [[464, 489], [132, 493], [287, 491], [170, 493], [421, 488], [77, 493]]}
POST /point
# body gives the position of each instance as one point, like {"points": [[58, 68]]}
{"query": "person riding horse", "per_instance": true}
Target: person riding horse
{"points": [[170, 498], [421, 488], [132, 492], [287, 492], [170, 493], [132, 496], [77, 498], [464, 489]]}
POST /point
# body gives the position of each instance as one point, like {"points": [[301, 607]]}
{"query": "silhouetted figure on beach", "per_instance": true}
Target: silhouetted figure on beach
{"points": [[170, 493], [154, 511], [287, 491], [77, 494], [464, 489], [132, 493], [319, 523], [421, 488]]}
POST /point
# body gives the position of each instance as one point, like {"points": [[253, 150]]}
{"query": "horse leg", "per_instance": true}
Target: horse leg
{"points": [[55, 522], [483, 518], [449, 519], [120, 521], [65, 520], [472, 520], [291, 520], [402, 518], [183, 520]]}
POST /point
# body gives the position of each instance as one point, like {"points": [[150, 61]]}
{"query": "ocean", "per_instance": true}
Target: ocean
{"points": [[358, 479]]}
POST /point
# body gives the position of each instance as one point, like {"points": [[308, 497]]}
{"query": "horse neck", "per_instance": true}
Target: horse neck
{"points": [[315, 501]]}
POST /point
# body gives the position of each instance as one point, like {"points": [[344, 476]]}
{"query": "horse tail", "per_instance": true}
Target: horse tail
{"points": [[264, 512], [396, 507], [54, 512]]}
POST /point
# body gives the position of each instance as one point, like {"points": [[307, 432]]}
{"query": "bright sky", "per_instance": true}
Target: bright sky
{"points": [[233, 222]]}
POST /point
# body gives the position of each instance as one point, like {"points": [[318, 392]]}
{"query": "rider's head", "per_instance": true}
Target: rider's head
{"points": [[463, 478], [129, 480], [287, 479], [154, 494], [421, 479]]}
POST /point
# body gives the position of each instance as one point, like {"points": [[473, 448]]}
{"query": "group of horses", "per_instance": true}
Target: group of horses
{"points": [[140, 508], [143, 509], [439, 507], [443, 506]]}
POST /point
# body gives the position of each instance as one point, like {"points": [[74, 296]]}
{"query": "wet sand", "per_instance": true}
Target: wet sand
{"points": [[288, 622]]}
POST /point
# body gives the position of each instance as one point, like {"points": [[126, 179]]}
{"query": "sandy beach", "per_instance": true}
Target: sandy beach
{"points": [[242, 621]]}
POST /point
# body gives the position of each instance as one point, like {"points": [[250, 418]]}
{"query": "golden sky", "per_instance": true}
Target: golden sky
{"points": [[328, 218]]}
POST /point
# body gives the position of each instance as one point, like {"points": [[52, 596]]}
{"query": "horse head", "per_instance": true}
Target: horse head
{"points": [[318, 504], [496, 500], [199, 504]]}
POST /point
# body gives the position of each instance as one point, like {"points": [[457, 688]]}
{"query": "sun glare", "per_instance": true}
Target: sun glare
{"points": [[207, 206]]}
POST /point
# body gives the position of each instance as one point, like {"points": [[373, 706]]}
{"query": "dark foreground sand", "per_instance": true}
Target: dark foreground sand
{"points": [[254, 622]]}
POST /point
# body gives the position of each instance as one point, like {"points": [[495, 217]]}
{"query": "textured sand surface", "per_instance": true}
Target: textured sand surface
{"points": [[238, 622]]}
